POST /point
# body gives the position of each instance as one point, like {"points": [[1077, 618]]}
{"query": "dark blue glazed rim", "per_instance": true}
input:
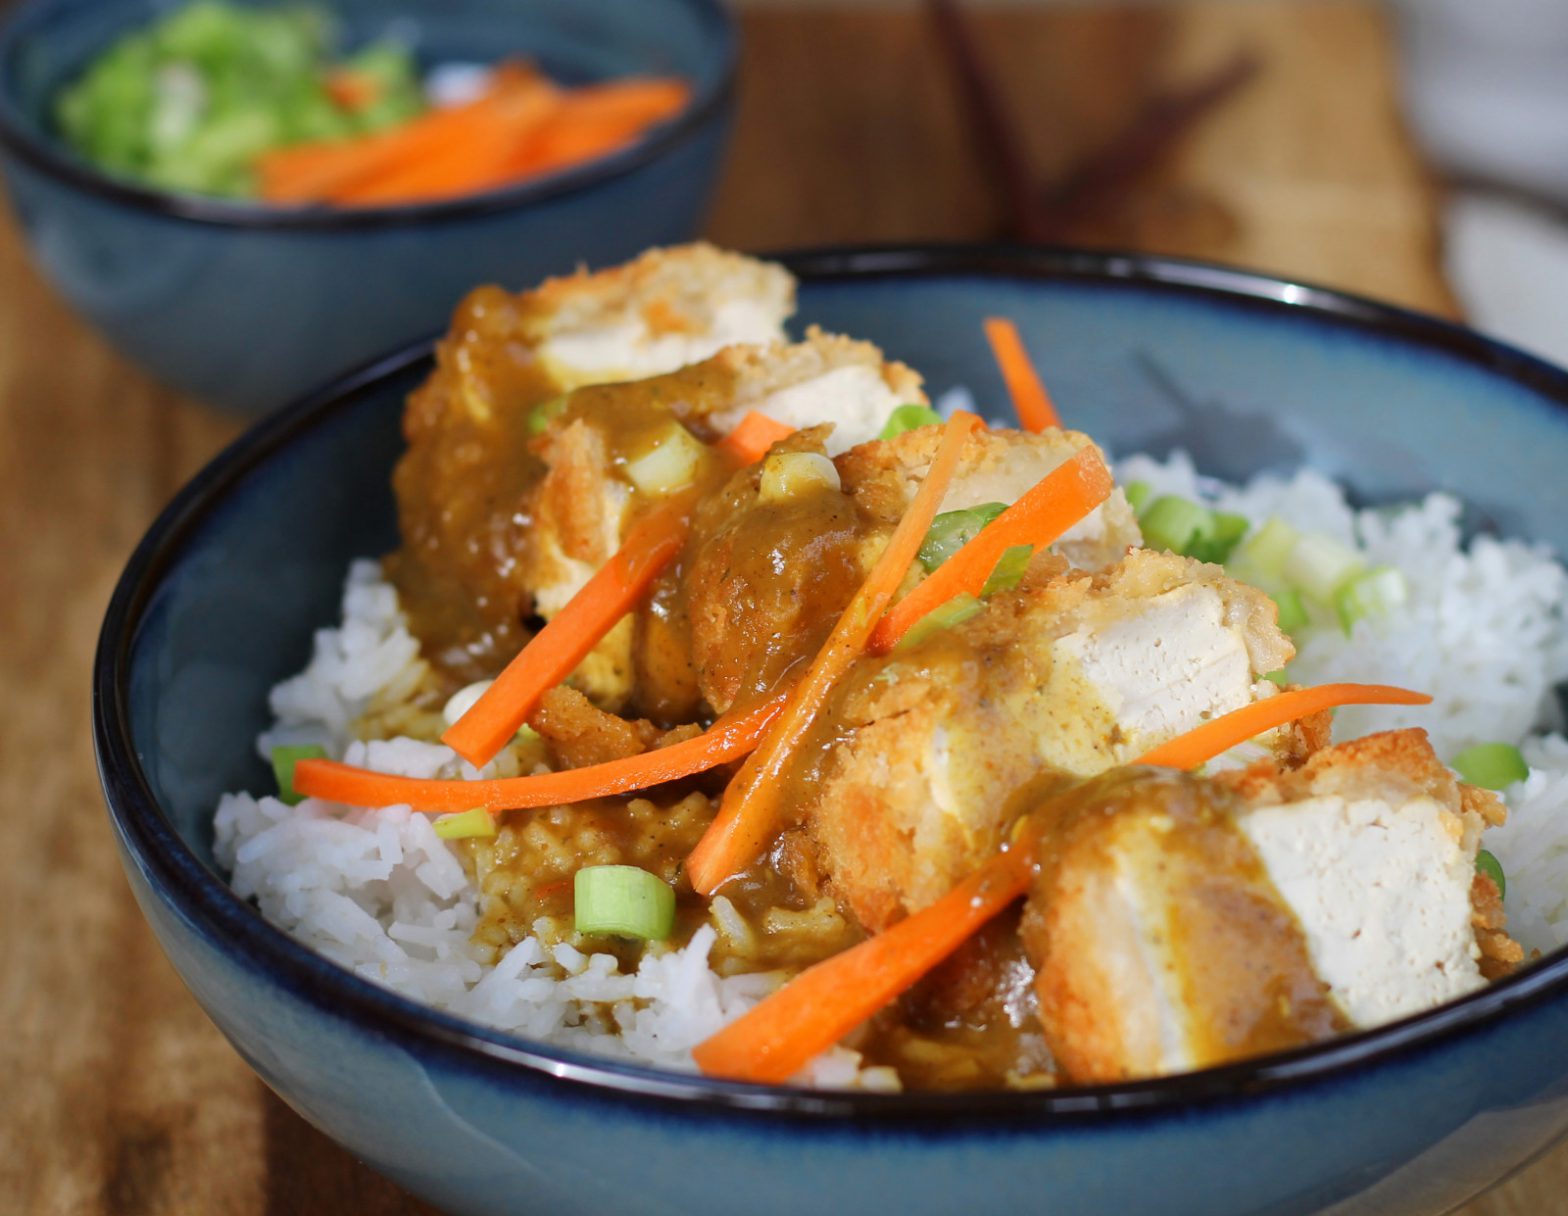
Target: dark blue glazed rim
{"points": [[48, 157], [205, 901]]}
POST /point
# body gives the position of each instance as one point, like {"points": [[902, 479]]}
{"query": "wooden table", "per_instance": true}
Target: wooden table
{"points": [[119, 1096]]}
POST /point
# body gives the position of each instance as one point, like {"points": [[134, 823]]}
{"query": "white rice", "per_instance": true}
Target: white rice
{"points": [[381, 894], [1483, 631], [378, 892]]}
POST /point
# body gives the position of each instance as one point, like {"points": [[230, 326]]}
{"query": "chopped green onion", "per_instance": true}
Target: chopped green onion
{"points": [[909, 418], [284, 757], [1277, 677], [188, 101], [1492, 766], [477, 822], [1292, 613], [1171, 522], [787, 475], [623, 901], [1137, 493], [1268, 548], [543, 414], [1375, 593], [955, 612], [1487, 864], [671, 463], [952, 530], [1009, 570], [1320, 566], [1217, 543], [463, 700], [1191, 529]]}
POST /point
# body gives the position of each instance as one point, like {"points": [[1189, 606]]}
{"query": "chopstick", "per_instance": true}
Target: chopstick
{"points": [[1045, 212]]}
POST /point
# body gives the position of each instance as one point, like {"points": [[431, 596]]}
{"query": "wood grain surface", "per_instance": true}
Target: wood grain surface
{"points": [[118, 1096]]}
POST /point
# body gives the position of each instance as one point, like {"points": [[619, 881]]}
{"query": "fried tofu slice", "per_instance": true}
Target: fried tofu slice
{"points": [[768, 579], [463, 484], [1182, 922], [667, 309], [933, 746], [582, 506], [998, 465], [828, 378]]}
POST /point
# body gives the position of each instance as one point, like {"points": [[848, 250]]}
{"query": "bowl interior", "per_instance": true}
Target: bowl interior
{"points": [[48, 43], [221, 601]]}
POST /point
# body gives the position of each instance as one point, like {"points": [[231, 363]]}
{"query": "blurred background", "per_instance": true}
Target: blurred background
{"points": [[1416, 152]]}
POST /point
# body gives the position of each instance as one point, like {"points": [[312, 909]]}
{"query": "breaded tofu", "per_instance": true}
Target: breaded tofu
{"points": [[665, 310], [930, 748], [581, 507], [768, 579], [828, 378], [998, 465], [1181, 922], [463, 484]]}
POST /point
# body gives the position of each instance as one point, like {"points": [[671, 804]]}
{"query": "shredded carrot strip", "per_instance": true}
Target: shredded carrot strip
{"points": [[1221, 734], [749, 811], [351, 90], [557, 649], [752, 437], [522, 126], [1030, 399], [471, 160], [1051, 506], [315, 172], [597, 120], [727, 740], [779, 1036]]}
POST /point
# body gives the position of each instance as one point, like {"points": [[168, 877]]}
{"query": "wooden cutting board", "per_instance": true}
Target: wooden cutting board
{"points": [[119, 1096]]}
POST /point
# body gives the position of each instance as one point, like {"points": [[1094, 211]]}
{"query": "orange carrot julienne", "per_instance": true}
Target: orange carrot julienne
{"points": [[521, 126], [750, 808], [752, 437], [352, 90], [557, 649], [1030, 399], [1051, 506], [727, 740], [471, 160], [780, 1035], [314, 172], [1219, 735], [632, 99], [777, 1038]]}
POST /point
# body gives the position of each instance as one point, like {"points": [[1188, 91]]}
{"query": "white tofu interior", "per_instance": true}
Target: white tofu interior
{"points": [[1166, 669], [854, 398], [628, 349], [1382, 891]]}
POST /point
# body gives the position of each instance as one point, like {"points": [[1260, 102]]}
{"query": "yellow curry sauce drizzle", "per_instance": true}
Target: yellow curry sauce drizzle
{"points": [[1242, 966]]}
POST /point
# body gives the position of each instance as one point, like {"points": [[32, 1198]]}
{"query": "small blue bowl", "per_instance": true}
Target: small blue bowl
{"points": [[220, 599], [248, 306]]}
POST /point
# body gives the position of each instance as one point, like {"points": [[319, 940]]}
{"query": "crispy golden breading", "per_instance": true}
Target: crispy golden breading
{"points": [[1116, 939], [998, 465], [581, 506], [931, 744], [767, 580], [464, 484], [681, 291]]}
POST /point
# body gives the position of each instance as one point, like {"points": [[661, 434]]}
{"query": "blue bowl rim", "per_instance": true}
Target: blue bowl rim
{"points": [[203, 900], [47, 156]]}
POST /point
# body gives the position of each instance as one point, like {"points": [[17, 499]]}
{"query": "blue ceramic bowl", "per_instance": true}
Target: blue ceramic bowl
{"points": [[248, 307], [220, 600]]}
